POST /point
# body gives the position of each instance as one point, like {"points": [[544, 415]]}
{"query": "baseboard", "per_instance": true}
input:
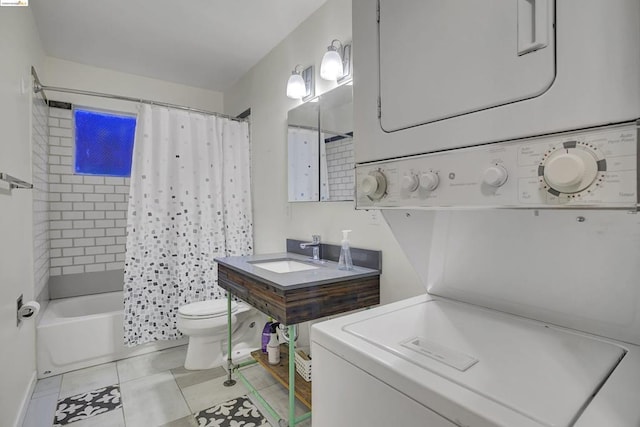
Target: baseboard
{"points": [[25, 400]]}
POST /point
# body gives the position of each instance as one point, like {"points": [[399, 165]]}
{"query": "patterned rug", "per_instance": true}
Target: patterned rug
{"points": [[86, 405], [239, 412]]}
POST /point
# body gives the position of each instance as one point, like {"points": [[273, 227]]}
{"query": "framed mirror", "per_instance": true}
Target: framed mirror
{"points": [[320, 148]]}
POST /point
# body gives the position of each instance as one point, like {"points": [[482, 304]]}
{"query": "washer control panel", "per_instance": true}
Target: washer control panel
{"points": [[594, 168]]}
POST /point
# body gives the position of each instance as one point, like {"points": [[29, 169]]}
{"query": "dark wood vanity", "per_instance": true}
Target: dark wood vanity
{"points": [[291, 306]]}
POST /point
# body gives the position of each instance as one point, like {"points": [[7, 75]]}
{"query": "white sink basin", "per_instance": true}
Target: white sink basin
{"points": [[284, 265]]}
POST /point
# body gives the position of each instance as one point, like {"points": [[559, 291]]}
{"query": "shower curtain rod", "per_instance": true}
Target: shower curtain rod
{"points": [[39, 87]]}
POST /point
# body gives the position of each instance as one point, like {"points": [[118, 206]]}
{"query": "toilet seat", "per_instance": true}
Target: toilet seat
{"points": [[206, 309]]}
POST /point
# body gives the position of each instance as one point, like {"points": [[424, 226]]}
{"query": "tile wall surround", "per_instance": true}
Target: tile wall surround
{"points": [[97, 282], [87, 213], [340, 167], [40, 168]]}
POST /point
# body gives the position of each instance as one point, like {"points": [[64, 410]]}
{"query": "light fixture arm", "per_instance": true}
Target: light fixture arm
{"points": [[338, 49]]}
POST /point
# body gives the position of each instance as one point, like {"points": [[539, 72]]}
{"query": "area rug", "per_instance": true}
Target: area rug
{"points": [[86, 405], [238, 412]]}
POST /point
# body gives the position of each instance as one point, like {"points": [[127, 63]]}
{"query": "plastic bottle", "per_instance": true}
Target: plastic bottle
{"points": [[345, 262], [273, 348], [266, 335]]}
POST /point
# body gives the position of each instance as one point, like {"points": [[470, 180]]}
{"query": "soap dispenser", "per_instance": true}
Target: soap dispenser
{"points": [[273, 348], [345, 262]]}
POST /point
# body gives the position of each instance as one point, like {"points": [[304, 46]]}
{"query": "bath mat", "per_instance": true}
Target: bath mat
{"points": [[239, 412], [86, 405]]}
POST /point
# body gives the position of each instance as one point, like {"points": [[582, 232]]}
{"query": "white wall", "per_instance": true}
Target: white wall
{"points": [[19, 49], [263, 90], [69, 74]]}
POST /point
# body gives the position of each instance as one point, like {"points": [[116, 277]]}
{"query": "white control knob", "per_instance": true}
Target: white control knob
{"points": [[410, 183], [429, 181], [373, 185], [570, 171], [495, 176], [564, 171]]}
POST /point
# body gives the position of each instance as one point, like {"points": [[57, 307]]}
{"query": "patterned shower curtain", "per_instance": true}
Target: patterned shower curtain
{"points": [[190, 201]]}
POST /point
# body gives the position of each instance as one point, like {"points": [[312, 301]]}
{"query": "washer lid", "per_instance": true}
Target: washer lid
{"points": [[541, 372], [209, 308]]}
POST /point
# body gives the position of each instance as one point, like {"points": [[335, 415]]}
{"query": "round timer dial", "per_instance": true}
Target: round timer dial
{"points": [[373, 185], [570, 168]]}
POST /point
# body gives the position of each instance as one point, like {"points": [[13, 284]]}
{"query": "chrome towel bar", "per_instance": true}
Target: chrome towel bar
{"points": [[14, 182]]}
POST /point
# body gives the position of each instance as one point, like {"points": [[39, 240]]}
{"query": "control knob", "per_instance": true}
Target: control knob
{"points": [[410, 182], [429, 181], [495, 176], [373, 185], [570, 170]]}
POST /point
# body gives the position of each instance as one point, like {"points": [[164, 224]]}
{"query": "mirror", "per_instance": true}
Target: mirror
{"points": [[320, 148], [303, 153]]}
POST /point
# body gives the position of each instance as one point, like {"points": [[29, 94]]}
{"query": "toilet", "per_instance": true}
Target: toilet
{"points": [[205, 323]]}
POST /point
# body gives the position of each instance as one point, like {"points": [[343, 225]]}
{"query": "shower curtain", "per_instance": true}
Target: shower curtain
{"points": [[189, 202]]}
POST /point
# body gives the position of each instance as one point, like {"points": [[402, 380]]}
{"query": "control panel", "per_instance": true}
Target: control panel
{"points": [[596, 168]]}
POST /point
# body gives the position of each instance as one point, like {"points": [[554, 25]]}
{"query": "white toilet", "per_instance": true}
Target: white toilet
{"points": [[205, 323]]}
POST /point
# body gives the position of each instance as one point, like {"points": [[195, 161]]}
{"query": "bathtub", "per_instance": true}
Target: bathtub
{"points": [[79, 332]]}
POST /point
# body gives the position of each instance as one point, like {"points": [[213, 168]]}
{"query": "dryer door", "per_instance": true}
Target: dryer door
{"points": [[459, 56]]}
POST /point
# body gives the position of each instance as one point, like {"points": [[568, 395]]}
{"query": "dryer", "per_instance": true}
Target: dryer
{"points": [[441, 74]]}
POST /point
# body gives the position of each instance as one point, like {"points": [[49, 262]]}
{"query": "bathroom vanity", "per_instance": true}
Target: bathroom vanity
{"points": [[292, 289], [292, 297]]}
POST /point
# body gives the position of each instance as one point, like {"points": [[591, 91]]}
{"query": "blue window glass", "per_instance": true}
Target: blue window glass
{"points": [[104, 143]]}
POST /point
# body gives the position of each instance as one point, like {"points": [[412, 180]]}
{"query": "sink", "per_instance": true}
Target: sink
{"points": [[284, 265]]}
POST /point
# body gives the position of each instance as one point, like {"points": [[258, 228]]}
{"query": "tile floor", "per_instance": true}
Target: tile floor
{"points": [[155, 390]]}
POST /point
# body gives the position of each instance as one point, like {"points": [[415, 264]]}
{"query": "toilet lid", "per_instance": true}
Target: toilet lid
{"points": [[210, 308]]}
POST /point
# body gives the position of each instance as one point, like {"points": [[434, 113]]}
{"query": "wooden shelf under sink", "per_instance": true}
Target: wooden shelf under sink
{"points": [[281, 373]]}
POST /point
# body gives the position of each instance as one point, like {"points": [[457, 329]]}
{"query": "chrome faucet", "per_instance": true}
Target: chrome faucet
{"points": [[315, 243]]}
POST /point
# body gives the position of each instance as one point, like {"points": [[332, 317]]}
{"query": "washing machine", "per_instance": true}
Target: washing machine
{"points": [[435, 362], [542, 331]]}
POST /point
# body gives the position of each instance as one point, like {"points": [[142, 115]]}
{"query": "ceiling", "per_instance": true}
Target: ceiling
{"points": [[202, 43]]}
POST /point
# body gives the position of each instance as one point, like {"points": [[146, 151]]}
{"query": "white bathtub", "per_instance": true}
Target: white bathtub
{"points": [[78, 332]]}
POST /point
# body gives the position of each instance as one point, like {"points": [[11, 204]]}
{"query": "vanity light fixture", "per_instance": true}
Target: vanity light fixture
{"points": [[336, 62], [300, 84]]}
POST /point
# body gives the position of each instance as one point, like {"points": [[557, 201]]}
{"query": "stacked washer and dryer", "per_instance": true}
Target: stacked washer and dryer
{"points": [[500, 141]]}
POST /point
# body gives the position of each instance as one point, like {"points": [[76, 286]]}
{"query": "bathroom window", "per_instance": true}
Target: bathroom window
{"points": [[104, 142]]}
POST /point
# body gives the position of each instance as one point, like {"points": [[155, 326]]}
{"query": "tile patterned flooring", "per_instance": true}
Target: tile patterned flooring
{"points": [[155, 390]]}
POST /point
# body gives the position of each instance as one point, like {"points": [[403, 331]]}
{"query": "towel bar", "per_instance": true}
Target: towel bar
{"points": [[14, 182]]}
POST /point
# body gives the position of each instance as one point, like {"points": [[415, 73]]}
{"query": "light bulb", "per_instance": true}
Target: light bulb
{"points": [[331, 65], [295, 87]]}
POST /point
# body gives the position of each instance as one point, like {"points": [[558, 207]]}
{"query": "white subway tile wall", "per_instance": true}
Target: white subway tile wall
{"points": [[40, 147], [340, 167], [87, 213]]}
